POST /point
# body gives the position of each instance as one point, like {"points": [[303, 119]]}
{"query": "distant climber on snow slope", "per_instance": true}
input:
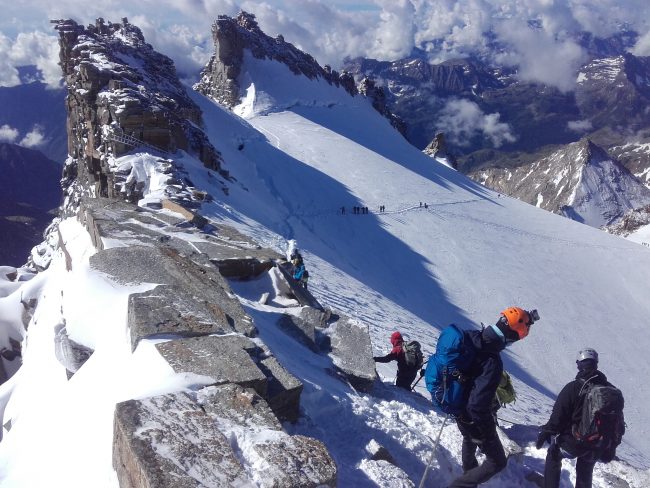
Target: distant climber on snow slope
{"points": [[463, 376], [409, 359]]}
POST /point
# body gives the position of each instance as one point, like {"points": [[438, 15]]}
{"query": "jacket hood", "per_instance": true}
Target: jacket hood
{"points": [[396, 338], [490, 341]]}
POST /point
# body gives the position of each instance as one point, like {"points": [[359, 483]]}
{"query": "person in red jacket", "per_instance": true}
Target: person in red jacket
{"points": [[405, 373]]}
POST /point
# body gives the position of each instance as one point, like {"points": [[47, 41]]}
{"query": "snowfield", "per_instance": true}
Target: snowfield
{"points": [[299, 151]]}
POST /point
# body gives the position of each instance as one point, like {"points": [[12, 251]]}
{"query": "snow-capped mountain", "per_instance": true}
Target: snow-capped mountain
{"points": [[579, 181], [296, 154], [514, 117]]}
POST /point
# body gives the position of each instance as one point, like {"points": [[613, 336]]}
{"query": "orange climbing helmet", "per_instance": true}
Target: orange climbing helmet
{"points": [[519, 320]]}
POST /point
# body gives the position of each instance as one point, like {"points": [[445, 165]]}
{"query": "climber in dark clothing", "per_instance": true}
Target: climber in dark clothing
{"points": [[405, 373], [477, 422], [558, 431]]}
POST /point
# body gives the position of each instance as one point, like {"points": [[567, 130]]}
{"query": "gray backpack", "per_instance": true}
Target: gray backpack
{"points": [[413, 354]]}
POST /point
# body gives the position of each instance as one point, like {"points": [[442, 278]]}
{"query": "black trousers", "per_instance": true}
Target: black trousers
{"points": [[564, 447], [405, 378], [490, 445]]}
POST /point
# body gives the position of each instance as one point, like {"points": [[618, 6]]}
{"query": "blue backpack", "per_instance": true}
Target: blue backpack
{"points": [[446, 372]]}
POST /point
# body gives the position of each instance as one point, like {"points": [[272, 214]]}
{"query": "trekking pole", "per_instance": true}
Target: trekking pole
{"points": [[433, 453], [415, 384]]}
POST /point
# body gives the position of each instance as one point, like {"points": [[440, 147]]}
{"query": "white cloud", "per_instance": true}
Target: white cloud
{"points": [[29, 48], [579, 125], [8, 134], [332, 30], [461, 120], [541, 55], [39, 49], [33, 138], [8, 73], [642, 47]]}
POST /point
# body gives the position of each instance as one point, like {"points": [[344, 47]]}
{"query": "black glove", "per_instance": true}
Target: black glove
{"points": [[543, 437], [422, 372]]}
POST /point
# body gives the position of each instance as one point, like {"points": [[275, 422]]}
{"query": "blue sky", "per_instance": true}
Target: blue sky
{"points": [[331, 30]]}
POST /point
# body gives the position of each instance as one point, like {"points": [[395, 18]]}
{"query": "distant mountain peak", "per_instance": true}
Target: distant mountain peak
{"points": [[219, 78], [580, 181]]}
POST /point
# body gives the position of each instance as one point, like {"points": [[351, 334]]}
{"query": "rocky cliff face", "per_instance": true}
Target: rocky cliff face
{"points": [[579, 181], [219, 79], [122, 94], [233, 36]]}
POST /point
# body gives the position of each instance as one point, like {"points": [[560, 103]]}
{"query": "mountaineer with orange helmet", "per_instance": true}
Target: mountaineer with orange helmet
{"points": [[478, 380]]}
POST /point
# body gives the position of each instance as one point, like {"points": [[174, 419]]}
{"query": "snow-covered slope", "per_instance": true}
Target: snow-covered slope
{"points": [[303, 150], [463, 259]]}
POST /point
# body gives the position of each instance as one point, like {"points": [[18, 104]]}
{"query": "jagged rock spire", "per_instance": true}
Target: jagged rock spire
{"points": [[231, 36], [437, 148]]}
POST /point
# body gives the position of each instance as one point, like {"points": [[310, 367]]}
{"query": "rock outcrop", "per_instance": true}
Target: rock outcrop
{"points": [[437, 148], [225, 428], [234, 36], [122, 94], [181, 439], [219, 78], [150, 450]]}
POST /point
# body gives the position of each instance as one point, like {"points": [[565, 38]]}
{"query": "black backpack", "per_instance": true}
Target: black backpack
{"points": [[413, 354], [602, 424]]}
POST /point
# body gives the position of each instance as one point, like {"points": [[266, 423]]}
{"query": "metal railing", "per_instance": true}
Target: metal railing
{"points": [[129, 140]]}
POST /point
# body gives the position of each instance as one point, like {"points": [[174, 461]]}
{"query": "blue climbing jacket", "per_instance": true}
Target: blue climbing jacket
{"points": [[298, 272]]}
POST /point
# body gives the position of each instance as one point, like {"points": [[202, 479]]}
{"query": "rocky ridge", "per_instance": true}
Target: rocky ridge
{"points": [[242, 392], [232, 36]]}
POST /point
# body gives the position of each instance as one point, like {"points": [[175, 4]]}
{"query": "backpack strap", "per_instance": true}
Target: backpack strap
{"points": [[584, 384]]}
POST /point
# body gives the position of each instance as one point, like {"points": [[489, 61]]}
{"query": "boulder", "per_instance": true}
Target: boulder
{"points": [[168, 441], [269, 453], [352, 353], [304, 297], [302, 330], [226, 359], [171, 311], [141, 264], [297, 461], [284, 389], [187, 214], [235, 405], [242, 268]]}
